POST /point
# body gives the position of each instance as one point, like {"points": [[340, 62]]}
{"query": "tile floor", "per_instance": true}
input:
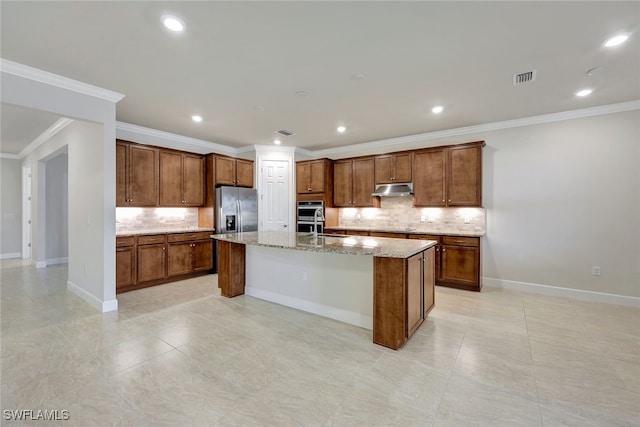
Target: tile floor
{"points": [[179, 354]]}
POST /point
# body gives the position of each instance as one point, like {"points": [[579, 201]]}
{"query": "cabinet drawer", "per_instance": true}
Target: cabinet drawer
{"points": [[461, 241], [186, 237], [149, 240], [424, 237], [122, 242]]}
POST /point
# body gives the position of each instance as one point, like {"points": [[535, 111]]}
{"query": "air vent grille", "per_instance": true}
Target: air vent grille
{"points": [[525, 77], [284, 132]]}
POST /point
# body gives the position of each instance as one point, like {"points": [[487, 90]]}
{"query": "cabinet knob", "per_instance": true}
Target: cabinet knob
{"points": [[164, 249], [449, 199], [442, 200], [443, 249]]}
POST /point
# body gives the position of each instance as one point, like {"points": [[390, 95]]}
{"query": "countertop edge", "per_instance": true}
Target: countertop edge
{"points": [[460, 233], [131, 233]]}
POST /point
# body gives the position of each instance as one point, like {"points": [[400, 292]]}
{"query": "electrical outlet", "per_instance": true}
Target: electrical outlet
{"points": [[303, 276], [467, 220], [595, 270], [423, 218]]}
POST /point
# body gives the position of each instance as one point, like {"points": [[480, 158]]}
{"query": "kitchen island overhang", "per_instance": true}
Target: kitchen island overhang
{"points": [[382, 284]]}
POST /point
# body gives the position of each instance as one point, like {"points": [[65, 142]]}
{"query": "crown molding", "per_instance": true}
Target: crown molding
{"points": [[46, 77], [385, 144], [150, 136], [275, 148], [9, 156], [52, 130]]}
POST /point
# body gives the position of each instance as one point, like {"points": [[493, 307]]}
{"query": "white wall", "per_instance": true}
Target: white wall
{"points": [[91, 177], [57, 212], [561, 197], [10, 208]]}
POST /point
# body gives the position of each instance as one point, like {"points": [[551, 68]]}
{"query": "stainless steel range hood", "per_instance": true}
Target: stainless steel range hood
{"points": [[394, 190]]}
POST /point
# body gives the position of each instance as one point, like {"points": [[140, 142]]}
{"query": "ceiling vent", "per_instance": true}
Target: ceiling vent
{"points": [[526, 77], [284, 132]]}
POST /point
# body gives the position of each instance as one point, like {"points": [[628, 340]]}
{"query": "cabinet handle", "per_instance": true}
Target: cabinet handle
{"points": [[449, 199], [443, 249], [442, 200]]}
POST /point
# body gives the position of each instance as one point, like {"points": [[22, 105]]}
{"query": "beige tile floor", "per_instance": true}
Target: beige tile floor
{"points": [[180, 354]]}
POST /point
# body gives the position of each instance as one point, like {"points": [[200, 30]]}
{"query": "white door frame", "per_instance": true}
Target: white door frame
{"points": [[264, 153], [26, 211]]}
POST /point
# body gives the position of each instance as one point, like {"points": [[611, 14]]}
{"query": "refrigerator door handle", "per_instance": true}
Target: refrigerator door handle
{"points": [[239, 205]]}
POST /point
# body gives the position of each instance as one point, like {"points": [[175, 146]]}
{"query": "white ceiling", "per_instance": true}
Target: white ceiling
{"points": [[235, 56], [20, 126]]}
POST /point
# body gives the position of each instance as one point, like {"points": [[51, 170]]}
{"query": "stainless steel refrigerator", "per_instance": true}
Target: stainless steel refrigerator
{"points": [[236, 209]]}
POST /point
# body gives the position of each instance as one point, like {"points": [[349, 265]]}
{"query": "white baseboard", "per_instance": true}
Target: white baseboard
{"points": [[54, 261], [312, 307], [562, 292], [10, 255], [39, 264], [103, 306]]}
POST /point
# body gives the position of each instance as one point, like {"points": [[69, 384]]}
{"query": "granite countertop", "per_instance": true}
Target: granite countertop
{"points": [[350, 245], [162, 231], [468, 233]]}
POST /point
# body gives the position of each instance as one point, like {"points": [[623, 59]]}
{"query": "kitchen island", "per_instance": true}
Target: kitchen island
{"points": [[382, 284]]}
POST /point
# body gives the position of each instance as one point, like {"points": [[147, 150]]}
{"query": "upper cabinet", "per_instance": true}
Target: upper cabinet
{"points": [[314, 180], [392, 168], [231, 171], [448, 176], [136, 175], [181, 179], [353, 183]]}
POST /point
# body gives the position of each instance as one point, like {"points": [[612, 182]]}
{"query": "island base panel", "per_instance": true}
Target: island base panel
{"points": [[389, 303], [231, 268]]}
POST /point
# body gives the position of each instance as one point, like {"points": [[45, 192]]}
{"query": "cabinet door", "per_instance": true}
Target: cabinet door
{"points": [[143, 176], [460, 264], [193, 180], [414, 293], [402, 165], [151, 262], [125, 267], [121, 174], [316, 176], [342, 183], [202, 255], [179, 258], [363, 182], [303, 177], [429, 178], [464, 176], [225, 170], [384, 169], [171, 179], [244, 173], [429, 279]]}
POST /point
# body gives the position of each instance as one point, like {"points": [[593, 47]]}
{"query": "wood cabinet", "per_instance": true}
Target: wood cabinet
{"points": [[188, 253], [460, 262], [136, 175], [181, 179], [392, 168], [353, 183], [160, 258], [403, 295], [457, 261], [152, 258], [314, 180], [448, 176], [125, 262], [232, 171]]}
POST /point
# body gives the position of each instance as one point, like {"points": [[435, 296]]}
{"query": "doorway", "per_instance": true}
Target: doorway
{"points": [[26, 211]]}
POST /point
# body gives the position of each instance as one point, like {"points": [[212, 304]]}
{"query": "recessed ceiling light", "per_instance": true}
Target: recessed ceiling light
{"points": [[595, 70], [341, 129], [173, 23], [584, 92], [616, 40], [277, 141], [196, 118], [437, 109], [302, 94], [357, 76], [259, 107]]}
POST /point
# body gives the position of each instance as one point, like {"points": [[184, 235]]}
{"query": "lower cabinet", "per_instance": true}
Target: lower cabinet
{"points": [[460, 262], [125, 262], [404, 294], [160, 258], [187, 255]]}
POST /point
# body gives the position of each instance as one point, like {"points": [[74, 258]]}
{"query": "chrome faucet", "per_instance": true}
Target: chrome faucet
{"points": [[315, 221]]}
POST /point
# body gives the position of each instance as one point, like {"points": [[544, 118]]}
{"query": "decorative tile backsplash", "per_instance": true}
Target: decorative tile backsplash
{"points": [[398, 213], [131, 219]]}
